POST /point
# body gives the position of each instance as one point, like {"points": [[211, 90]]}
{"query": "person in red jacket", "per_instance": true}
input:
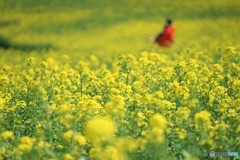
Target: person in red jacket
{"points": [[166, 37]]}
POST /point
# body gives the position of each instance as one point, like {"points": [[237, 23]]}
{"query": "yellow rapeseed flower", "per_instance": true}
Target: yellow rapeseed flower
{"points": [[155, 135], [100, 129], [181, 133], [158, 120], [26, 140], [112, 153], [7, 135], [80, 139], [68, 135], [25, 145], [183, 113], [202, 120], [68, 156]]}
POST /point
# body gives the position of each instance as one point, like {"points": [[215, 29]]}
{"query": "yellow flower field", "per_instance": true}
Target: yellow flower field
{"points": [[107, 93], [144, 108]]}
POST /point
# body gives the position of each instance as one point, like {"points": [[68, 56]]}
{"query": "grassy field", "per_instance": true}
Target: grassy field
{"points": [[79, 80]]}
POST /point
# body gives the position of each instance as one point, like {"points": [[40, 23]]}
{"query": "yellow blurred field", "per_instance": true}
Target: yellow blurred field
{"points": [[79, 80]]}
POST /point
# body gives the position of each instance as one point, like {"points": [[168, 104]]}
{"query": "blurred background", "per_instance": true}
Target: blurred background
{"points": [[109, 28]]}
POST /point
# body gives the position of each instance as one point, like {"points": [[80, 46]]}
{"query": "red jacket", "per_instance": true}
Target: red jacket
{"points": [[165, 39]]}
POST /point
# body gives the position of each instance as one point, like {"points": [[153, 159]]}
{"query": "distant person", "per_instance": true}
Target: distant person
{"points": [[166, 37]]}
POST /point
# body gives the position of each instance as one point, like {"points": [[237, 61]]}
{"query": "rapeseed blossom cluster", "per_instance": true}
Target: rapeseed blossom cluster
{"points": [[202, 120], [100, 130], [7, 135], [153, 106]]}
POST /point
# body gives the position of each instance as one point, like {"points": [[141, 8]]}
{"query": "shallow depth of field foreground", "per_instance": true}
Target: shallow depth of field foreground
{"points": [[79, 80]]}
